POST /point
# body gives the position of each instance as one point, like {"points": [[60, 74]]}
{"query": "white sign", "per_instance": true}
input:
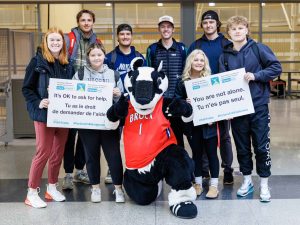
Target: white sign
{"points": [[220, 96], [78, 104]]}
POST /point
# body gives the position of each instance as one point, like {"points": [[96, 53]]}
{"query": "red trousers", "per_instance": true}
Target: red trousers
{"points": [[50, 146]]}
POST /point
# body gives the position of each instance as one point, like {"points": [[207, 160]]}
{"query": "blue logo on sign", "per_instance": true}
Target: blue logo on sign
{"points": [[80, 87], [60, 88], [215, 80], [92, 90], [225, 80]]}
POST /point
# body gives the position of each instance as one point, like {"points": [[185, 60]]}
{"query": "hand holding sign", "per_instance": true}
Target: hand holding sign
{"points": [[78, 104], [220, 96]]}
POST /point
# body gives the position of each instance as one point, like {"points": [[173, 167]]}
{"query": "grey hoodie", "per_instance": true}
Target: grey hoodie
{"points": [[105, 75]]}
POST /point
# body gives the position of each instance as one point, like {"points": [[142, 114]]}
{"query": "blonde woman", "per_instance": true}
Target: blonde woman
{"points": [[50, 62], [204, 137]]}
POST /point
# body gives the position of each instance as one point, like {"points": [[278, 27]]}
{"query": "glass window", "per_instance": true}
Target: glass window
{"points": [[18, 16], [143, 18], [281, 32], [281, 17], [103, 24], [227, 10]]}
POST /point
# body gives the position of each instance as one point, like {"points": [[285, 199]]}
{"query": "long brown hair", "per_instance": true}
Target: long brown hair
{"points": [[62, 58]]}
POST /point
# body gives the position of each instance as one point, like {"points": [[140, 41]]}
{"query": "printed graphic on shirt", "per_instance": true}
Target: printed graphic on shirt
{"points": [[123, 68], [97, 79], [136, 116]]}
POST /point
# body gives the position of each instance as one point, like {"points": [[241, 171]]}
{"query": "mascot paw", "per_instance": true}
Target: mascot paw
{"points": [[184, 210], [179, 107], [111, 125], [121, 107]]}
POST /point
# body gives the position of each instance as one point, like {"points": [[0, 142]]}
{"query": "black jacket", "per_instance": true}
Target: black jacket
{"points": [[173, 62], [36, 82], [209, 131]]}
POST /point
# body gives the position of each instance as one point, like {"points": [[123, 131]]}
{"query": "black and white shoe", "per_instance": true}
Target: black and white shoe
{"points": [[184, 210]]}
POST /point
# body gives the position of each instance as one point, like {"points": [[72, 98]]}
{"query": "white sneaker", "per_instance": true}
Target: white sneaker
{"points": [[120, 196], [265, 195], [96, 195], [53, 194], [246, 189], [33, 199]]}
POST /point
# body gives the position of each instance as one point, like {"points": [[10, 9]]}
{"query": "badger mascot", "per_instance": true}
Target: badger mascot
{"points": [[151, 150]]}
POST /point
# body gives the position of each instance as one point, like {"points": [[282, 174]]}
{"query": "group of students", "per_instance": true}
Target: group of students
{"points": [[64, 56]]}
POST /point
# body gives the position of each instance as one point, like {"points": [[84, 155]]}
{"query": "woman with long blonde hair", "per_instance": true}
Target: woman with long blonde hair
{"points": [[191, 72], [204, 137], [50, 62]]}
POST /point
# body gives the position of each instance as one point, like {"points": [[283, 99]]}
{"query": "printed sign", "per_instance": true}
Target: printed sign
{"points": [[220, 96], [78, 104]]}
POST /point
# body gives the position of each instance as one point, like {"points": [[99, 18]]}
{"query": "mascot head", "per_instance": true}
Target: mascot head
{"points": [[145, 86]]}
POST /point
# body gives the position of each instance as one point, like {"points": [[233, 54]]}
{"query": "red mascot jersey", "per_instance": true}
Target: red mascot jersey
{"points": [[146, 136]]}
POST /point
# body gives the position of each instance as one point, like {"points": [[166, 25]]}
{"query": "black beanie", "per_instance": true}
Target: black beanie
{"points": [[210, 14]]}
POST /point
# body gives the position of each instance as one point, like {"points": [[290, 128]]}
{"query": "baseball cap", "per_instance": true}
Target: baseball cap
{"points": [[166, 19], [210, 14]]}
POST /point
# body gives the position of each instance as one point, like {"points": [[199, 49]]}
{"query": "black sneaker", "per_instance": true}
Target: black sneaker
{"points": [[228, 178], [184, 210]]}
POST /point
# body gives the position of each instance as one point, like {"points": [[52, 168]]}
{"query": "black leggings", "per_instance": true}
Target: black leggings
{"points": [[71, 160], [199, 145], [109, 140]]}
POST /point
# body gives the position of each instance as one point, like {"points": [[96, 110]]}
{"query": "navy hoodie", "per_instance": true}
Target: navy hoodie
{"points": [[212, 49], [122, 64], [265, 68]]}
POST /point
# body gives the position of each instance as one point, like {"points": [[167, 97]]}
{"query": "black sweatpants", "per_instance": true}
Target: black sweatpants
{"points": [[256, 128], [200, 145], [72, 160], [109, 140], [173, 164], [225, 146]]}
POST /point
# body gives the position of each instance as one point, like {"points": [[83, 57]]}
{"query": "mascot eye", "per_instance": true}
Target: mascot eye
{"points": [[159, 81]]}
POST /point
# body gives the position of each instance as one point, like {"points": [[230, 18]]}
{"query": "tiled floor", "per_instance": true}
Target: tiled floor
{"points": [[227, 209]]}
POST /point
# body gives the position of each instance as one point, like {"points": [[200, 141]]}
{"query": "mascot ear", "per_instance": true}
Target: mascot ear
{"points": [[160, 66], [136, 63]]}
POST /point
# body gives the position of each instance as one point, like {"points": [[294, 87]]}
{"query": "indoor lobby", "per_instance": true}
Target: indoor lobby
{"points": [[22, 24]]}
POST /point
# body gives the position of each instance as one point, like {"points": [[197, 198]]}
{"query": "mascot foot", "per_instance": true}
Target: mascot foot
{"points": [[184, 210]]}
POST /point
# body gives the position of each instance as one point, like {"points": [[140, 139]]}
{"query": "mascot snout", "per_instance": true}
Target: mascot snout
{"points": [[143, 92]]}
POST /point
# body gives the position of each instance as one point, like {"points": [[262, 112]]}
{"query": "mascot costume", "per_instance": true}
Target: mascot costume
{"points": [[151, 150]]}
